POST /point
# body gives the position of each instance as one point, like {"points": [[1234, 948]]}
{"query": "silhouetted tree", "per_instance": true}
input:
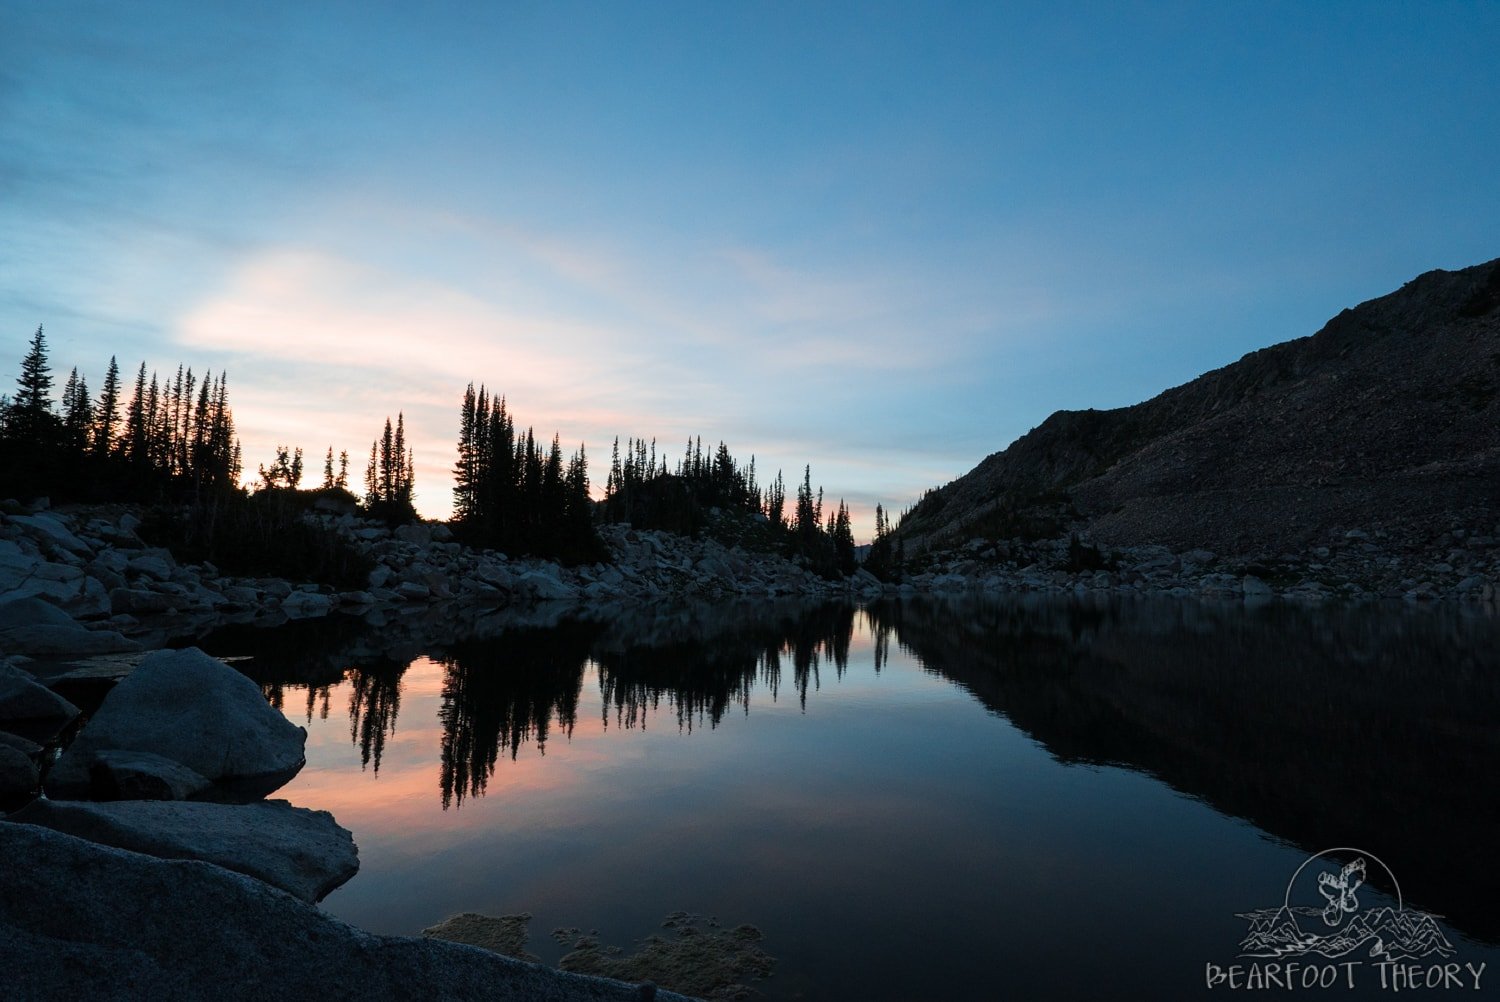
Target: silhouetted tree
{"points": [[388, 479], [78, 413], [29, 417], [107, 413], [285, 472]]}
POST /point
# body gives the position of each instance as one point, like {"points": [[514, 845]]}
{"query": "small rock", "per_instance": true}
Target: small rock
{"points": [[413, 591], [306, 605], [154, 564], [132, 775], [140, 602]]}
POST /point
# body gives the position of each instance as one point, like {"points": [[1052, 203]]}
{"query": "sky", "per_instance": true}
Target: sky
{"points": [[881, 239]]}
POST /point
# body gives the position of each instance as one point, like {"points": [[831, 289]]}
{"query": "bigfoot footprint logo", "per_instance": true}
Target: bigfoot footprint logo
{"points": [[1381, 932], [1339, 891]]}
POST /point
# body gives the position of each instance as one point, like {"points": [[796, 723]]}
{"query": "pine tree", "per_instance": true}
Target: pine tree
{"points": [[372, 479], [137, 436], [29, 417], [328, 481], [343, 478], [107, 413], [464, 470], [78, 413]]}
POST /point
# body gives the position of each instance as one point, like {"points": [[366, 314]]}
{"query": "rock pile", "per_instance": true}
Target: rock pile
{"points": [[1462, 564], [92, 580]]}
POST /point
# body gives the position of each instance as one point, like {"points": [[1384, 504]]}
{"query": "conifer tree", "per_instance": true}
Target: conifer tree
{"points": [[107, 413], [29, 418], [78, 413], [135, 440]]}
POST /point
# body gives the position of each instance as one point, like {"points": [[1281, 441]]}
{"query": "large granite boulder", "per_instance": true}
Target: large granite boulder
{"points": [[24, 701], [49, 530], [197, 711], [31, 626], [305, 853], [81, 920], [18, 775]]}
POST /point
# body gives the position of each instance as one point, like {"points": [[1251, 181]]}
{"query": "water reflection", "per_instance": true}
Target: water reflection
{"points": [[718, 661], [1322, 727], [503, 693]]}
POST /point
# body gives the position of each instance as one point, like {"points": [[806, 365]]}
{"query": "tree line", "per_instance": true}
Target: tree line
{"points": [[701, 490], [512, 494], [173, 440], [169, 439]]}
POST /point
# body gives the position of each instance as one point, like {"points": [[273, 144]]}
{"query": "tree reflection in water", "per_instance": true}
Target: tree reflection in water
{"points": [[1322, 726], [504, 692]]}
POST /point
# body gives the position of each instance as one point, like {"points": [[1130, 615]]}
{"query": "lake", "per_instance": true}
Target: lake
{"points": [[926, 799]]}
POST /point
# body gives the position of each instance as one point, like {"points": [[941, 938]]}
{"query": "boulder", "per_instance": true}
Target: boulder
{"points": [[415, 533], [58, 640], [24, 700], [306, 605], [154, 564], [32, 612], [140, 602], [91, 601], [28, 748], [32, 626], [49, 530], [1255, 588], [81, 920], [133, 775], [196, 711], [16, 563], [413, 591], [543, 586], [305, 853], [57, 583], [241, 595], [18, 776]]}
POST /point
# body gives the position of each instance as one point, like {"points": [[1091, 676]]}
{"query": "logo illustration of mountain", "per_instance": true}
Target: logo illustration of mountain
{"points": [[1339, 891], [1382, 932]]}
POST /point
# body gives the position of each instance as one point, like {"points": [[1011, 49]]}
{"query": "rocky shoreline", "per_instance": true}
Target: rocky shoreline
{"points": [[154, 866], [92, 565], [1353, 565]]}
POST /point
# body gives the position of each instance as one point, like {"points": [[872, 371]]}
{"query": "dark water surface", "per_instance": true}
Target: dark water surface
{"points": [[1028, 799]]}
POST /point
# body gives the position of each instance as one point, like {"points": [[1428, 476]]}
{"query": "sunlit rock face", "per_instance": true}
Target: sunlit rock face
{"points": [[193, 710]]}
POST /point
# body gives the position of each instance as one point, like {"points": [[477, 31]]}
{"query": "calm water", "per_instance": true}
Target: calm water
{"points": [[911, 800]]}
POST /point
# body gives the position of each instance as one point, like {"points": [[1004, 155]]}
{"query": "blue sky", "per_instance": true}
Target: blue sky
{"points": [[883, 239]]}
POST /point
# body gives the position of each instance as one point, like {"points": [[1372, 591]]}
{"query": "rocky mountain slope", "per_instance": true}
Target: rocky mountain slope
{"points": [[1388, 418]]}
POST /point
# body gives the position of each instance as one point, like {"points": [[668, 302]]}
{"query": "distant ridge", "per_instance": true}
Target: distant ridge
{"points": [[1389, 416]]}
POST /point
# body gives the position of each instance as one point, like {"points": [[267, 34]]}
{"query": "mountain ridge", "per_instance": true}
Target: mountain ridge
{"points": [[1388, 415]]}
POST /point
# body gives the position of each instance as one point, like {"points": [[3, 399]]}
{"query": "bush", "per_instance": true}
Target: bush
{"points": [[260, 535]]}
